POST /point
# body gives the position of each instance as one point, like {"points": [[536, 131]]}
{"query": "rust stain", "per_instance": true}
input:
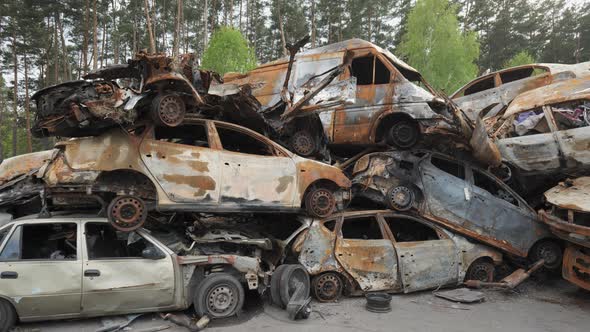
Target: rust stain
{"points": [[199, 182]]}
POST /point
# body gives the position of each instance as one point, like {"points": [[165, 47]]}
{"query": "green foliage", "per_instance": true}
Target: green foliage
{"points": [[435, 46], [521, 58], [228, 51]]}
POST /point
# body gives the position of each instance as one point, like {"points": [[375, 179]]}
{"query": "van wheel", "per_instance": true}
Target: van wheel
{"points": [[481, 270], [548, 250], [304, 143], [168, 109], [220, 295], [7, 316], [320, 202], [127, 213], [403, 134]]}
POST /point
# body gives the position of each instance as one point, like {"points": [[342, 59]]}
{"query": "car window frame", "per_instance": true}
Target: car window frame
{"points": [[20, 260], [439, 156], [8, 235], [278, 151], [342, 218], [393, 72], [441, 234], [522, 204]]}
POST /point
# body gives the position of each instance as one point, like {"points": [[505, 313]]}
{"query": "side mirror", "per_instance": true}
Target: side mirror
{"points": [[151, 252]]}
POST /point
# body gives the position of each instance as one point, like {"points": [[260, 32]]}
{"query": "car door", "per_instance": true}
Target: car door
{"points": [[532, 151], [40, 269], [184, 163], [427, 257], [366, 253], [255, 173], [317, 251], [374, 90], [446, 189], [117, 278], [499, 217], [574, 142]]}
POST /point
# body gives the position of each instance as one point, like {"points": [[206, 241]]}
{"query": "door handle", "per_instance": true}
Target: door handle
{"points": [[226, 164], [8, 275], [92, 273]]}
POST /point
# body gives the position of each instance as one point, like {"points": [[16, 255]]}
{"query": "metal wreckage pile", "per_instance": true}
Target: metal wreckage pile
{"points": [[337, 170]]}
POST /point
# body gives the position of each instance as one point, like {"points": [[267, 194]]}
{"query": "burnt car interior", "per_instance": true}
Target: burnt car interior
{"points": [[407, 230], [42, 242], [103, 241], [194, 135], [369, 70], [235, 141], [361, 228]]}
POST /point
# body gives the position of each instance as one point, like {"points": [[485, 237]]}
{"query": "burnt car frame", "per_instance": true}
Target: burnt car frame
{"points": [[348, 93], [202, 165], [382, 250], [105, 272], [459, 196]]}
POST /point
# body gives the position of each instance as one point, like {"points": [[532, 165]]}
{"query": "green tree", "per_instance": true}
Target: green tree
{"points": [[434, 44], [228, 51], [521, 58]]}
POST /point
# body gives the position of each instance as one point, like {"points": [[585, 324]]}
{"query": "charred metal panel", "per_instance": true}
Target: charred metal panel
{"points": [[15, 166], [427, 264], [576, 266], [531, 153], [317, 252]]}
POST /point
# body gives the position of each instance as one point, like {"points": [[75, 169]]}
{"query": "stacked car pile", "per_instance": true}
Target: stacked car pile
{"points": [[217, 170]]}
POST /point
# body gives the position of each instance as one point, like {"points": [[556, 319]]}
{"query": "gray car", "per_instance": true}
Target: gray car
{"points": [[458, 196]]}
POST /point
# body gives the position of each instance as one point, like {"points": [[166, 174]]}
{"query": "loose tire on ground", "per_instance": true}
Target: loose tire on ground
{"points": [[291, 277], [219, 295], [275, 289]]}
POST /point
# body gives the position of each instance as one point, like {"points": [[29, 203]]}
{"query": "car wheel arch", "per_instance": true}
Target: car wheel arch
{"points": [[385, 120], [108, 177]]}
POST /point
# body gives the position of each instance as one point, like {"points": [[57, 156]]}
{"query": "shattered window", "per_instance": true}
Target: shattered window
{"points": [[485, 84], [361, 228], [488, 184], [448, 166], [103, 241], [194, 135], [571, 115], [407, 230], [362, 69], [236, 141], [42, 241]]}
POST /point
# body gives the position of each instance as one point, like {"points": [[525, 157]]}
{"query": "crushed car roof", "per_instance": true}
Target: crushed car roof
{"points": [[576, 88]]}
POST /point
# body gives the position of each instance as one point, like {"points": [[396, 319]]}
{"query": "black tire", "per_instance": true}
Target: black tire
{"points": [[292, 276], [327, 287], [219, 295], [320, 202], [7, 316], [481, 270], [304, 143], [548, 250], [127, 213], [403, 134], [168, 109], [275, 289], [401, 198]]}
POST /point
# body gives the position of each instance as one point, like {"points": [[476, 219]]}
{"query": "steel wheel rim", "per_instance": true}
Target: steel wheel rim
{"points": [[128, 212], [322, 202], [327, 287], [171, 110], [221, 300]]}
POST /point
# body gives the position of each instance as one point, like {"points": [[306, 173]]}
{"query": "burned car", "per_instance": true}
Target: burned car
{"points": [[383, 250], [459, 196], [497, 89], [201, 165], [351, 93], [545, 133], [149, 87], [102, 271]]}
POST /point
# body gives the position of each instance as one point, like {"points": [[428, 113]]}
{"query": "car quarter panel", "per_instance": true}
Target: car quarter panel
{"points": [[317, 252]]}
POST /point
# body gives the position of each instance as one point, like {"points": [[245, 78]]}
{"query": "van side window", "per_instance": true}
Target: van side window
{"points": [[370, 70]]}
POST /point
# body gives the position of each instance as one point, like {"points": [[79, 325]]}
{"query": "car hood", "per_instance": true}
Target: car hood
{"points": [[571, 194], [23, 164]]}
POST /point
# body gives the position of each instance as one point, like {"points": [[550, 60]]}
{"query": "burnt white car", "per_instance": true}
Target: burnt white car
{"points": [[69, 266], [383, 250]]}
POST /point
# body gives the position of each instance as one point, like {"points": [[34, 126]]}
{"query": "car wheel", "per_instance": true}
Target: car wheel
{"points": [[481, 270], [548, 250], [219, 295], [400, 198], [327, 287], [127, 213], [275, 288], [168, 110], [303, 143], [7, 316], [320, 202], [292, 277], [403, 134]]}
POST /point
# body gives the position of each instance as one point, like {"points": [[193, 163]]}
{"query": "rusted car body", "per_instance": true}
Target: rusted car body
{"points": [[163, 89], [89, 269], [497, 89], [348, 93], [459, 196], [202, 165], [367, 251], [576, 266]]}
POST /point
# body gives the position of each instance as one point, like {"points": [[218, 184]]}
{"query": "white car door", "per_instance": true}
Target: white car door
{"points": [[40, 270], [119, 277]]}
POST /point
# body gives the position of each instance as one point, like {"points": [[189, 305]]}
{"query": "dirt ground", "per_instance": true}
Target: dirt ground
{"points": [[551, 305]]}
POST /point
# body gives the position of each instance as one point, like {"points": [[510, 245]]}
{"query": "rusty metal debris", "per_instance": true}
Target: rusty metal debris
{"points": [[510, 282], [462, 295]]}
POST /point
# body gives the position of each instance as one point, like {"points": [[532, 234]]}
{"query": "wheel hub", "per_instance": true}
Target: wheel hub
{"points": [[171, 110], [127, 213], [481, 273], [303, 143], [404, 133], [328, 287], [221, 299], [322, 201], [401, 198]]}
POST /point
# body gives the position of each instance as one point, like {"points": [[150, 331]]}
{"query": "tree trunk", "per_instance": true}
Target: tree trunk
{"points": [[102, 48], [205, 25], [64, 48], [27, 108], [177, 28], [1, 122], [55, 52], [313, 32], [85, 40], [240, 17], [134, 46], [95, 38], [149, 26], [283, 42], [15, 99]]}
